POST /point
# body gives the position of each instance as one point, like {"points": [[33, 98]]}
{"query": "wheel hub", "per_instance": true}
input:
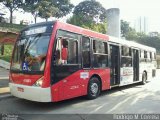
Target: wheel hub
{"points": [[94, 88]]}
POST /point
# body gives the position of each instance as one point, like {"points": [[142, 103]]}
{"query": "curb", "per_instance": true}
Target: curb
{"points": [[5, 96], [4, 78], [4, 90]]}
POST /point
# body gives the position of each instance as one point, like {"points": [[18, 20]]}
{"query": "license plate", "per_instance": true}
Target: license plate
{"points": [[20, 89]]}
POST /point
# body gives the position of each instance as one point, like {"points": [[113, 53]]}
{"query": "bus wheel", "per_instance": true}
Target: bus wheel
{"points": [[144, 78], [93, 88]]}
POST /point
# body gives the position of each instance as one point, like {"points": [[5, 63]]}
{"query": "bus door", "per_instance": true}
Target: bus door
{"points": [[135, 65], [115, 65]]}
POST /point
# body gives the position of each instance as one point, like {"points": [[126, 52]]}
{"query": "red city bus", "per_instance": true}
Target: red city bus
{"points": [[54, 61]]}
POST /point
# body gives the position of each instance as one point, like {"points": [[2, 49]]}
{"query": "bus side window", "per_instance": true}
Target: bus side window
{"points": [[86, 52], [66, 52], [100, 54], [57, 54], [126, 58]]}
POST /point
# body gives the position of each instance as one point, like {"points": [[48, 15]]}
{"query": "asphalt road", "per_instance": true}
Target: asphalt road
{"points": [[129, 99]]}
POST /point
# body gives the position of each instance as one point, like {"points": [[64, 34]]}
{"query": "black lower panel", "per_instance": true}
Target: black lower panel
{"points": [[60, 72]]}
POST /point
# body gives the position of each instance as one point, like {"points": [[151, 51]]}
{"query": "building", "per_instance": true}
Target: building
{"points": [[153, 34], [141, 24]]}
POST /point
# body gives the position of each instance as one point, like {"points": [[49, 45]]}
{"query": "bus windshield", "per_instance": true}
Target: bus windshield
{"points": [[30, 50]]}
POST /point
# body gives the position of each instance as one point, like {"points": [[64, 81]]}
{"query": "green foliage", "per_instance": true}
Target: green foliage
{"points": [[46, 9], [99, 27], [6, 58], [11, 27], [7, 53], [78, 20], [8, 49], [126, 31], [12, 5], [84, 16], [131, 35], [91, 9], [64, 7], [32, 7]]}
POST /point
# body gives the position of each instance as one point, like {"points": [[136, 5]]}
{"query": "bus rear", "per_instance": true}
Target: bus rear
{"points": [[29, 61]]}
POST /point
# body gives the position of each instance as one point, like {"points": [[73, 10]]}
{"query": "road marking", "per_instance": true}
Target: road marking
{"points": [[118, 105], [98, 108], [4, 90], [4, 78]]}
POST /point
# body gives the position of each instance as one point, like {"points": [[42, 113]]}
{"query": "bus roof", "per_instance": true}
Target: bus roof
{"points": [[80, 30], [39, 24]]}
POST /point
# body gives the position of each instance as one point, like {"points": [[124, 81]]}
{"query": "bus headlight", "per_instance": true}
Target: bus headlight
{"points": [[39, 82]]}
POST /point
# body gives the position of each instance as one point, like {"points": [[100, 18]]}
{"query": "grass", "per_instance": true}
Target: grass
{"points": [[7, 53], [11, 27]]}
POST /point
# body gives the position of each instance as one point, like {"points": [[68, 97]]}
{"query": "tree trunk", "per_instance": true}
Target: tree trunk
{"points": [[11, 15], [2, 49], [46, 19], [35, 19]]}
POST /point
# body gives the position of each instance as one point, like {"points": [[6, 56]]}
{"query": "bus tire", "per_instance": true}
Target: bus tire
{"points": [[93, 88], [144, 78]]}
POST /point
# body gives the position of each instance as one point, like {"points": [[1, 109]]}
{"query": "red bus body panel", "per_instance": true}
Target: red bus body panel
{"points": [[74, 86], [22, 79]]}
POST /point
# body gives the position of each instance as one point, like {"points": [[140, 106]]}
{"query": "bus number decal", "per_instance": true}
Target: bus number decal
{"points": [[84, 75]]}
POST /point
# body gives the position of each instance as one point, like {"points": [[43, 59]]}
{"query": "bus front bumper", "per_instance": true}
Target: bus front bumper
{"points": [[31, 92]]}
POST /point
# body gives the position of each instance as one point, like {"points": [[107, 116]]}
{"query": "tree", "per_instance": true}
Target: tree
{"points": [[128, 32], [91, 15], [32, 7], [46, 9], [78, 20], [91, 9], [64, 7], [12, 5], [99, 27], [131, 35], [126, 29]]}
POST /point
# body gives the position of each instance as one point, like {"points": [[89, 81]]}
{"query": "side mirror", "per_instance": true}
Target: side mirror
{"points": [[64, 53]]}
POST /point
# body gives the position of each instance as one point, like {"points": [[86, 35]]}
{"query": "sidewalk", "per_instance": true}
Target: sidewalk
{"points": [[4, 74], [4, 80]]}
